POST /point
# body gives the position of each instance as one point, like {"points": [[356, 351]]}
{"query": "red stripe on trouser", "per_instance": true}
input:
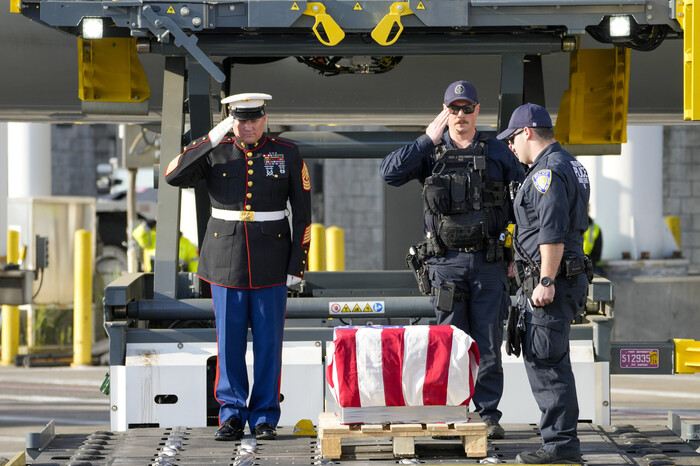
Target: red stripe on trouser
{"points": [[437, 365], [392, 366], [345, 358]]}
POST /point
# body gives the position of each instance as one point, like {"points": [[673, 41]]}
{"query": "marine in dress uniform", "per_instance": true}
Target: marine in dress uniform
{"points": [[249, 254], [442, 160], [551, 216]]}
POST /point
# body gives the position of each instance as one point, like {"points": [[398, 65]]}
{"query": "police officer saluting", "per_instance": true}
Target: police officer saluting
{"points": [[464, 176], [249, 255], [550, 212]]}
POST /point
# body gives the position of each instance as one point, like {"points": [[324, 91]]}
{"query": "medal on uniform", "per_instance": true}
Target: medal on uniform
{"points": [[273, 160]]}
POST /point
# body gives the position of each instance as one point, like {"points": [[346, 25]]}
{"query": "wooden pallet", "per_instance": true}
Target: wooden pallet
{"points": [[331, 432]]}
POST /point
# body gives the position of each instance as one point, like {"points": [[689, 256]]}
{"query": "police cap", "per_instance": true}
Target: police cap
{"points": [[527, 116]]}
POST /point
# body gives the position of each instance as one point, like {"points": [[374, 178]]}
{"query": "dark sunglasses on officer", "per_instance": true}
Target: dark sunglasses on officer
{"points": [[466, 109], [510, 139]]}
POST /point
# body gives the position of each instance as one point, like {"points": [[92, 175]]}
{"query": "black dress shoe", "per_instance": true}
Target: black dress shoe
{"points": [[231, 429], [265, 431]]}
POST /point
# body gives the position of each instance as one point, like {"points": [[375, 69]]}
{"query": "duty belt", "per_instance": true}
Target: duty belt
{"points": [[246, 215], [569, 268], [478, 247]]}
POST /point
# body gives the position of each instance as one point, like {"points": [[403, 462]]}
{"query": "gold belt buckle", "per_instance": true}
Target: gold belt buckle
{"points": [[246, 216]]}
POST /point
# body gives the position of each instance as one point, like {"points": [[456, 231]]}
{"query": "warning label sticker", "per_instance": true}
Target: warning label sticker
{"points": [[356, 307], [639, 358]]}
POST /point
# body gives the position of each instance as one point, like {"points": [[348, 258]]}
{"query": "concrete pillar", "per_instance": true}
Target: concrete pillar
{"points": [[627, 197], [28, 159]]}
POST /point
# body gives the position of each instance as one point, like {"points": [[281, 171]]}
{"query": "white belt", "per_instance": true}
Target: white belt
{"points": [[246, 215]]}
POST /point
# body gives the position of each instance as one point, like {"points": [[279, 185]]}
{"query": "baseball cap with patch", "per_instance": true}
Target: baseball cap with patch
{"points": [[247, 106], [461, 90], [527, 116]]}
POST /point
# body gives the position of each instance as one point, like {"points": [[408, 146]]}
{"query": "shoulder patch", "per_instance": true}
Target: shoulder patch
{"points": [[542, 179]]}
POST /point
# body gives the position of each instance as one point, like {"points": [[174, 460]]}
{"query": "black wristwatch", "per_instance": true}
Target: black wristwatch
{"points": [[546, 281]]}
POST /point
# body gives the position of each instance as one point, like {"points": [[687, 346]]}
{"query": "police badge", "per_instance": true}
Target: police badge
{"points": [[542, 179]]}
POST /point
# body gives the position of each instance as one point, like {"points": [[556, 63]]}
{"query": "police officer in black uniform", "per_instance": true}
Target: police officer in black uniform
{"points": [[249, 255], [464, 176], [550, 212]]}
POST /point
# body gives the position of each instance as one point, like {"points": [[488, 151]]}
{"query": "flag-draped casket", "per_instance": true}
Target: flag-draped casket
{"points": [[394, 366]]}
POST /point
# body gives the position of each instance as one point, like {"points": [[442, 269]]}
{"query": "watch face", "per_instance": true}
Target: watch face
{"points": [[545, 281]]}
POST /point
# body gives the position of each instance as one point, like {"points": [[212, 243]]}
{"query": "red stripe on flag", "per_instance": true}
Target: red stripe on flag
{"points": [[345, 357], [437, 365], [392, 366], [474, 362]]}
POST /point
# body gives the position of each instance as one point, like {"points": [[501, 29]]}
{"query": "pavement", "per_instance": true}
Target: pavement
{"points": [[31, 397]]}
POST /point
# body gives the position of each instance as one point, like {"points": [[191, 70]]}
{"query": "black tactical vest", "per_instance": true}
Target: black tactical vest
{"points": [[468, 205]]}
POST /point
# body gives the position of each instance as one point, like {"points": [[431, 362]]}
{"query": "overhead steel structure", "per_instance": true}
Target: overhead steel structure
{"points": [[203, 39]]}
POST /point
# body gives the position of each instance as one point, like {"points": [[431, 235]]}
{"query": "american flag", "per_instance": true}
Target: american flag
{"points": [[417, 365]]}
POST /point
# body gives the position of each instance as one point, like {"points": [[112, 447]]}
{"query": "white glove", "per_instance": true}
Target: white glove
{"points": [[219, 131], [293, 280]]}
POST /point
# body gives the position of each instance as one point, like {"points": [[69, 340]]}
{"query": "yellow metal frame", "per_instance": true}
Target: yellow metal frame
{"points": [[687, 356], [110, 71], [686, 13], [594, 108], [334, 33], [383, 29]]}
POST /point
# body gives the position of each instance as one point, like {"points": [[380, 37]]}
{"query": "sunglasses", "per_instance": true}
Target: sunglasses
{"points": [[512, 136], [466, 109]]}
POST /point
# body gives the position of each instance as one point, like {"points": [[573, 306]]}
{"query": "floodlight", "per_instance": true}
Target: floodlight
{"points": [[619, 26], [92, 28]]}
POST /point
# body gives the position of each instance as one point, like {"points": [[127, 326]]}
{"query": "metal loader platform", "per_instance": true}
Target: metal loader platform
{"points": [[601, 445]]}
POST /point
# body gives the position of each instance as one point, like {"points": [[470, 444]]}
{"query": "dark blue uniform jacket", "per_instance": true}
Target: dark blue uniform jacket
{"points": [[244, 177], [551, 205]]}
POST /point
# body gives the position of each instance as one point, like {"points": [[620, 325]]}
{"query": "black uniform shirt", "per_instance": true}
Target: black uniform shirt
{"points": [[257, 178], [551, 205]]}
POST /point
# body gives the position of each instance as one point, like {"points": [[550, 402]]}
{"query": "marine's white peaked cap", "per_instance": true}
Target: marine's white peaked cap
{"points": [[247, 106]]}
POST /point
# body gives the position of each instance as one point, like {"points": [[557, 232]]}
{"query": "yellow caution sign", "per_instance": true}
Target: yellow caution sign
{"points": [[356, 307], [171, 10], [294, 6], [420, 6], [357, 7]]}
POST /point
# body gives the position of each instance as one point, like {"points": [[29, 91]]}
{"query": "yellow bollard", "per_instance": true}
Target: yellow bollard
{"points": [[10, 314], [674, 224], [317, 255], [335, 249], [82, 299]]}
